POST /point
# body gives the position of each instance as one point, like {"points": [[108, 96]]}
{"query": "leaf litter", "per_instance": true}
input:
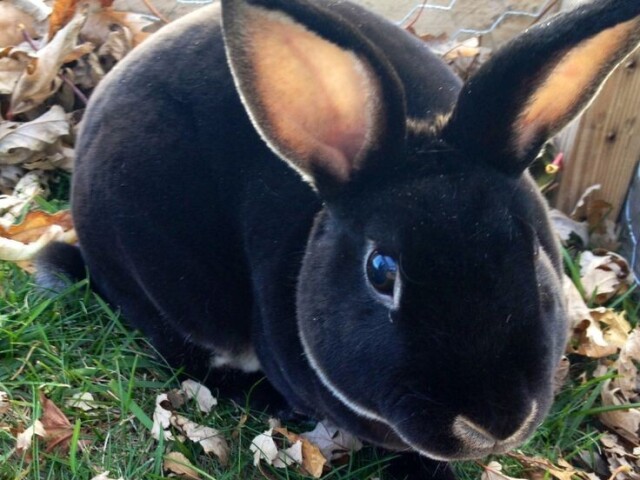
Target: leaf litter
{"points": [[81, 43]]}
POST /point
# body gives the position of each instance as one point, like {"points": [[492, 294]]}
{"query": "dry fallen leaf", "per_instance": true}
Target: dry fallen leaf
{"points": [[162, 418], [264, 448], [623, 464], [82, 401], [565, 226], [4, 402], [289, 456], [623, 390], [19, 142], [105, 476], [597, 332], [209, 438], [202, 394], [604, 275], [562, 372], [101, 24], [10, 18], [563, 470], [23, 440], [56, 424], [21, 243], [35, 8], [332, 442], [40, 79], [313, 461], [176, 462], [493, 471]]}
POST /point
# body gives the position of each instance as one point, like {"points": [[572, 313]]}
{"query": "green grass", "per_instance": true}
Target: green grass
{"points": [[75, 343]]}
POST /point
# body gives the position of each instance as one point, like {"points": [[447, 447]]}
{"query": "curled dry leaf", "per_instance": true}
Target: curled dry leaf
{"points": [[209, 438], [21, 243], [604, 275], [620, 460], [332, 442], [23, 440], [40, 79], [565, 227], [563, 470], [604, 231], [623, 390], [57, 426], [162, 418], [562, 372], [101, 24], [20, 142], [289, 456], [493, 471], [264, 448], [176, 462], [597, 332], [105, 476], [202, 394], [464, 57], [4, 402], [25, 191], [313, 461], [82, 401]]}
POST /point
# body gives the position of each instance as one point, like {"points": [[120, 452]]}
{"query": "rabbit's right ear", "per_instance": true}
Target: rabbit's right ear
{"points": [[315, 89]]}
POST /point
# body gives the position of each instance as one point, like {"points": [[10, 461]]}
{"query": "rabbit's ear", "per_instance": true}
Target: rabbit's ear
{"points": [[539, 82], [313, 87]]}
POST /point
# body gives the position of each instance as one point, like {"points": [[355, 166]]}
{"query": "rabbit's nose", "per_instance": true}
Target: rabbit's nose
{"points": [[476, 437]]}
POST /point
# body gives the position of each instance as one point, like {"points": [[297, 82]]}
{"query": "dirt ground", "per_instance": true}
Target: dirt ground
{"points": [[467, 14]]}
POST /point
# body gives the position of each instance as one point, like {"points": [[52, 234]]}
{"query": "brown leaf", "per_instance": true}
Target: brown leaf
{"points": [[562, 471], [40, 79], [209, 438], [21, 243], [57, 426], [176, 462], [313, 461], [597, 332], [63, 11], [4, 402], [35, 223], [604, 275], [101, 26], [11, 17], [493, 471]]}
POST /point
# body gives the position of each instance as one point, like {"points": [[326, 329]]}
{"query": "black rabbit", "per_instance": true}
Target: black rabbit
{"points": [[302, 189]]}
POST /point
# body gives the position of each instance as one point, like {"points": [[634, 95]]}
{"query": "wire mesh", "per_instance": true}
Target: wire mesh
{"points": [[506, 13]]}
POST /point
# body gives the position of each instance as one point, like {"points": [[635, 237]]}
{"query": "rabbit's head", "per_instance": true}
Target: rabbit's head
{"points": [[430, 295]]}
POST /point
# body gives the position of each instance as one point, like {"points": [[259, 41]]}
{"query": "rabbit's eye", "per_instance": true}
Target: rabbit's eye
{"points": [[381, 272]]}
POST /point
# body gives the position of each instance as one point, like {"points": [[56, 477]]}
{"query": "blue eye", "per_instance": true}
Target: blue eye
{"points": [[381, 272]]}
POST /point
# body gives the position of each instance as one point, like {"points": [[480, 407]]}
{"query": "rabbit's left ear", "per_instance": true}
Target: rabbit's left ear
{"points": [[534, 86], [315, 90]]}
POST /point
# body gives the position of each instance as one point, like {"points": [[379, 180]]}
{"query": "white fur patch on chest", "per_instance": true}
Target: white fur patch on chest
{"points": [[245, 360]]}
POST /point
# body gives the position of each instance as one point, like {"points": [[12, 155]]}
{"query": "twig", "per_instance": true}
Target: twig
{"points": [[544, 12], [415, 20], [155, 11]]}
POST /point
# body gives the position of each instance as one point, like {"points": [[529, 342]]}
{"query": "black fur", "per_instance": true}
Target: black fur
{"points": [[215, 248]]}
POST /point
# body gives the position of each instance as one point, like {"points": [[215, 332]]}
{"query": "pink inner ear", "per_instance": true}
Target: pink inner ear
{"points": [[568, 84], [317, 102]]}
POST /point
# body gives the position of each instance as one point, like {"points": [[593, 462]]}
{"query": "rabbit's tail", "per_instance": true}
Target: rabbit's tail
{"points": [[58, 265]]}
